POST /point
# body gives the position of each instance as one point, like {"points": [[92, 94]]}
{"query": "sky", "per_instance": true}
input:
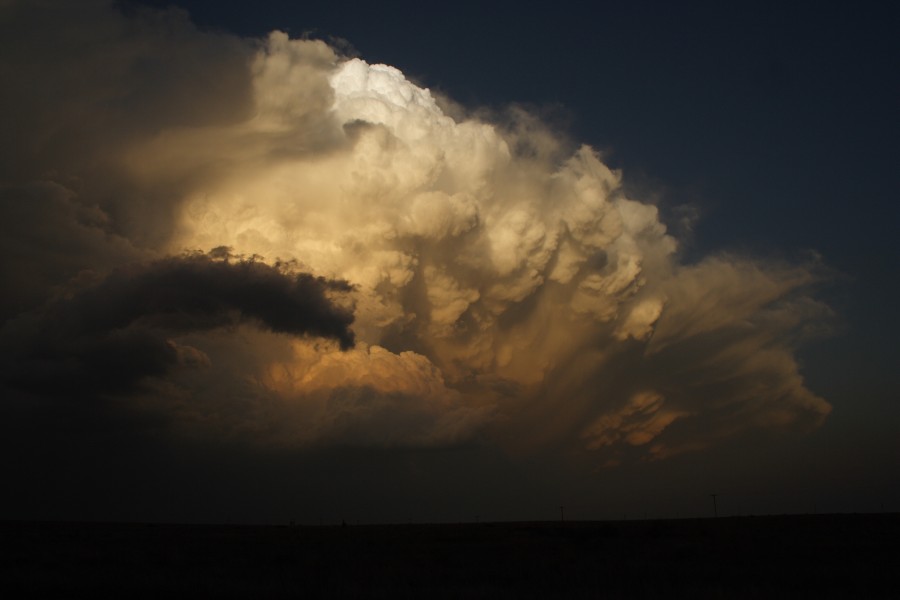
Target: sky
{"points": [[313, 262]]}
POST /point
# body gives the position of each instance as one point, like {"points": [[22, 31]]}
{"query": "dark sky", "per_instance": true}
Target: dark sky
{"points": [[760, 130]]}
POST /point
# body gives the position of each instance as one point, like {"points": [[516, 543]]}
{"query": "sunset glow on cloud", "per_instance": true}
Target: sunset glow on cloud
{"points": [[501, 283]]}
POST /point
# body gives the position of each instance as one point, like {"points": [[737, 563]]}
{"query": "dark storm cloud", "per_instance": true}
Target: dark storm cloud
{"points": [[108, 335], [500, 275], [48, 235], [82, 84]]}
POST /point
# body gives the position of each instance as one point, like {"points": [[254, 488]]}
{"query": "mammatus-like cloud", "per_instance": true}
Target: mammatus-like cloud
{"points": [[502, 280]]}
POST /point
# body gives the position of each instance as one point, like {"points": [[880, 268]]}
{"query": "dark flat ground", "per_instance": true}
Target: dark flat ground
{"points": [[831, 556]]}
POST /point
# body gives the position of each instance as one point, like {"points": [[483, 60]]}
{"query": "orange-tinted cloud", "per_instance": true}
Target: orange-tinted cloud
{"points": [[503, 281]]}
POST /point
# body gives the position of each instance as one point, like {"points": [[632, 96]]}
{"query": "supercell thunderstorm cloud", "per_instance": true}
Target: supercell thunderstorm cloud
{"points": [[268, 240]]}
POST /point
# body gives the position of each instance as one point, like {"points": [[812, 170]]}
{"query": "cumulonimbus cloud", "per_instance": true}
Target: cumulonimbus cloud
{"points": [[503, 281]]}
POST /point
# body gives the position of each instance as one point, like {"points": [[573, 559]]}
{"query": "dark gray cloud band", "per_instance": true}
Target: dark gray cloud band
{"points": [[108, 335]]}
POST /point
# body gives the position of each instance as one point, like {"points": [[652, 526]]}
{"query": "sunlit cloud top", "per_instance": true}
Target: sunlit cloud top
{"points": [[502, 284]]}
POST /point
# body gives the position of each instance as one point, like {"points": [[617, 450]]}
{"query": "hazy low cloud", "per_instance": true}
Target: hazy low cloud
{"points": [[502, 280], [47, 237]]}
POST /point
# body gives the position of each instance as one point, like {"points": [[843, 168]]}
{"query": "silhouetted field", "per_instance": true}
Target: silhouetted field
{"points": [[832, 556]]}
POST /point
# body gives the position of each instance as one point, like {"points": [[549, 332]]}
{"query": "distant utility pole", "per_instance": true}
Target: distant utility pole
{"points": [[715, 506], [562, 513]]}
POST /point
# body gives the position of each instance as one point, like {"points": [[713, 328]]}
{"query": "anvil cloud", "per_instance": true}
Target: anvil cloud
{"points": [[502, 283]]}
